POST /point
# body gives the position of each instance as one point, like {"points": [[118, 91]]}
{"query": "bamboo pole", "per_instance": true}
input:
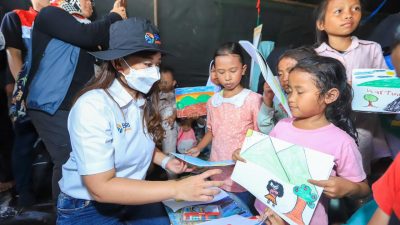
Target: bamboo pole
{"points": [[155, 12]]}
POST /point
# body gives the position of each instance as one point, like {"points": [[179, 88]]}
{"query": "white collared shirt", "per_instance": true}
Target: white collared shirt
{"points": [[106, 133]]}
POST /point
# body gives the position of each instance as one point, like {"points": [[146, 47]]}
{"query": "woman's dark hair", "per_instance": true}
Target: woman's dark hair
{"points": [[330, 73], [151, 115], [230, 48], [319, 13]]}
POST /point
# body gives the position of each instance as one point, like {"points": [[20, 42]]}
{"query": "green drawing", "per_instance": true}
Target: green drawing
{"points": [[263, 154], [189, 100], [304, 198], [386, 83], [370, 98], [289, 165], [304, 192]]}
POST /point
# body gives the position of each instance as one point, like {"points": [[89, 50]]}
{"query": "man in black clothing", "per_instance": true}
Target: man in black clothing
{"points": [[60, 67]]}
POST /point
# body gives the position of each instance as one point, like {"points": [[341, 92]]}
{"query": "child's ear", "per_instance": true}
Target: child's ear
{"points": [[331, 96], [320, 25], [244, 69]]}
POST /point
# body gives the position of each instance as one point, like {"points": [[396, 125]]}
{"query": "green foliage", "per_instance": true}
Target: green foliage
{"points": [[370, 98], [304, 192], [388, 83]]}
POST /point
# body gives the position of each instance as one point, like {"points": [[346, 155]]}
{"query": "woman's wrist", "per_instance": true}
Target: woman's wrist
{"points": [[165, 161]]}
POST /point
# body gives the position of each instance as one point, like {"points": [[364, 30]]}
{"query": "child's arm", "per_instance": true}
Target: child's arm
{"points": [[338, 187], [265, 118], [271, 218], [379, 218], [202, 144]]}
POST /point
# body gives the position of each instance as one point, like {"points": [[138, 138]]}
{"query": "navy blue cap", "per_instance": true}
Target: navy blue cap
{"points": [[130, 36]]}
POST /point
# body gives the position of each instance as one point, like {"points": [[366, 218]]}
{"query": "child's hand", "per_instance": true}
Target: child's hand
{"points": [[236, 156], [177, 166], [271, 218], [268, 95], [195, 151], [198, 188], [334, 187], [171, 120], [119, 8]]}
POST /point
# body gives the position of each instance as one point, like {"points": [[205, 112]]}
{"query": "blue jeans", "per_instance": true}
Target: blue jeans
{"points": [[72, 211], [247, 199]]}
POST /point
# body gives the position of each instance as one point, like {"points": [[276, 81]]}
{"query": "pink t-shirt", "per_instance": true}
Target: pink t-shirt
{"points": [[228, 119], [330, 140], [361, 54]]}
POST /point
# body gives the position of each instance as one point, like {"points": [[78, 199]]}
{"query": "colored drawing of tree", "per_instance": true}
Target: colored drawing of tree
{"points": [[290, 165], [370, 98], [304, 198]]}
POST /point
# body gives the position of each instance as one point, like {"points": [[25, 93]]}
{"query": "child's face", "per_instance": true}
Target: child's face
{"points": [[304, 96], [284, 67], [167, 82], [229, 71], [341, 17], [213, 75]]}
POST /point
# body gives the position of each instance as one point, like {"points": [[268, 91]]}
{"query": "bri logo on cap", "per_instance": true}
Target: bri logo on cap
{"points": [[152, 38], [123, 127]]}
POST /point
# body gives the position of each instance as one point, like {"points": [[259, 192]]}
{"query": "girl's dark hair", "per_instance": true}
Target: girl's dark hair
{"points": [[330, 73], [320, 11], [230, 48], [151, 115], [299, 53]]}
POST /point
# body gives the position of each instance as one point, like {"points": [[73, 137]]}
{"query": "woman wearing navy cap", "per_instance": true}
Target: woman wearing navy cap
{"points": [[114, 126]]}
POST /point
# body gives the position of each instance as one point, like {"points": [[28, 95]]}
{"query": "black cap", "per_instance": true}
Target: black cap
{"points": [[130, 36]]}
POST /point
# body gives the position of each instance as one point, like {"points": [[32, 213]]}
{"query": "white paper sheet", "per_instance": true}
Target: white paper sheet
{"points": [[176, 205]]}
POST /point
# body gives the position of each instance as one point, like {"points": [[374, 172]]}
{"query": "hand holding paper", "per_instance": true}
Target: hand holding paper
{"points": [[202, 163], [267, 74]]}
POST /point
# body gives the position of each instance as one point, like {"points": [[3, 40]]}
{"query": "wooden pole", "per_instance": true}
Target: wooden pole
{"points": [[155, 12]]}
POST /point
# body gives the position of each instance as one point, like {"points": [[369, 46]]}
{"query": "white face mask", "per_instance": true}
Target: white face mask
{"points": [[143, 79]]}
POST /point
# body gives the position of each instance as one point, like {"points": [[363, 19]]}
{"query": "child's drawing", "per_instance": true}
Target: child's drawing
{"points": [[191, 101], [376, 91], [275, 190], [286, 169]]}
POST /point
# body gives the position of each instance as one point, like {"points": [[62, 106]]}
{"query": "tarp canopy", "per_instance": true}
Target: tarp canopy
{"points": [[193, 29]]}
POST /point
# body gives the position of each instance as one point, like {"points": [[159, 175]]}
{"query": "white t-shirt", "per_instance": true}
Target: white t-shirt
{"points": [[106, 133]]}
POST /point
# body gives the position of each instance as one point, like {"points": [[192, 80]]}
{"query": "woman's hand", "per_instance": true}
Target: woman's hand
{"points": [[236, 156], [198, 188], [335, 187], [119, 9], [177, 166], [195, 151], [268, 95]]}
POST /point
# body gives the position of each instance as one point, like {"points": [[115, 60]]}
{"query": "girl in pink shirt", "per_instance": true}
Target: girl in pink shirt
{"points": [[230, 113], [320, 102], [335, 23]]}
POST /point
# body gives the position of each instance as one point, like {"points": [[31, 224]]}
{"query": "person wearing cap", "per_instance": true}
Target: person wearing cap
{"points": [[59, 67], [114, 126]]}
